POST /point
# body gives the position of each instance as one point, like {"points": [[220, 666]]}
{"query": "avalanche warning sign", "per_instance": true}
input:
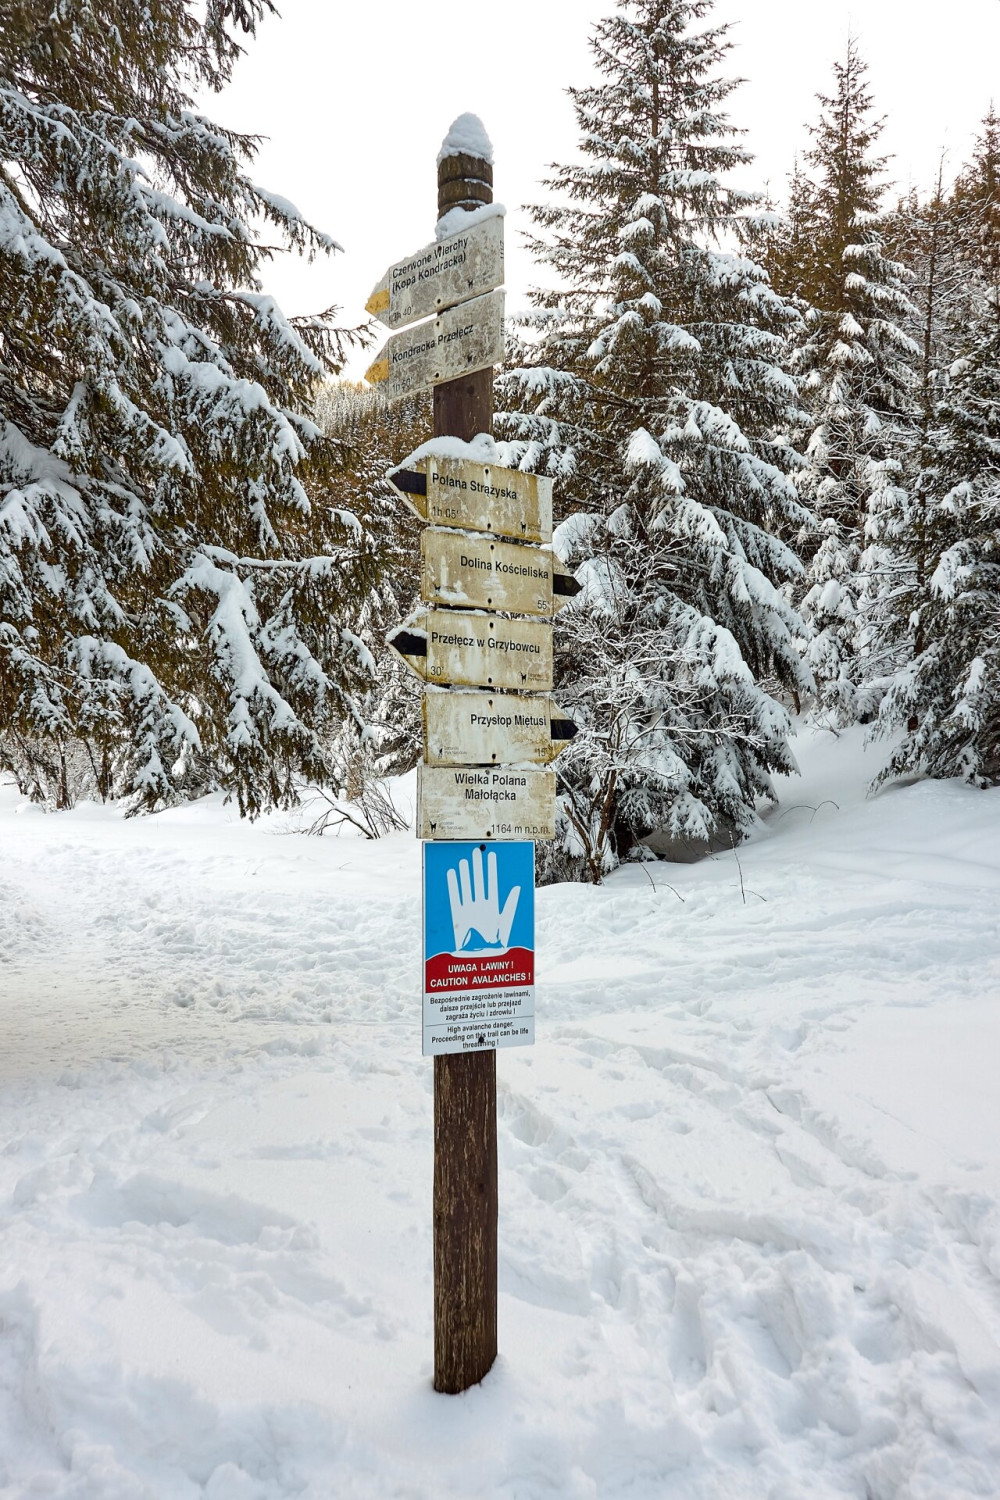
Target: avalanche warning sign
{"points": [[479, 946]]}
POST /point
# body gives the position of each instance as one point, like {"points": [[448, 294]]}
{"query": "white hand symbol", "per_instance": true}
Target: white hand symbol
{"points": [[479, 924]]}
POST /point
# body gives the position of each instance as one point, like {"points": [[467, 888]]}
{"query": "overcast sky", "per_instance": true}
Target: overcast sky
{"points": [[354, 100]]}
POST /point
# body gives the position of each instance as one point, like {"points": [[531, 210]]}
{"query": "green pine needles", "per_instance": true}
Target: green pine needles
{"points": [[652, 388], [175, 585]]}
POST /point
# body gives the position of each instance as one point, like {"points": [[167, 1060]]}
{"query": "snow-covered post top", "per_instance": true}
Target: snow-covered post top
{"points": [[465, 166]]}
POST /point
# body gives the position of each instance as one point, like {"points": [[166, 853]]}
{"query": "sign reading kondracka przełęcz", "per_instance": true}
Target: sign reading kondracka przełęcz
{"points": [[479, 946], [459, 342]]}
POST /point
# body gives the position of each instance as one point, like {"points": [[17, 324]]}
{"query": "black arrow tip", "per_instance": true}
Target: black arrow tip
{"points": [[408, 481], [407, 643]]}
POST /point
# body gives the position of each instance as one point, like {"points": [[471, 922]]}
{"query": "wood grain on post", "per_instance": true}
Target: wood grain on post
{"points": [[465, 1084]]}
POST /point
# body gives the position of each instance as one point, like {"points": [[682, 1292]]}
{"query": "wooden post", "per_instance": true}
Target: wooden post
{"points": [[465, 1084]]}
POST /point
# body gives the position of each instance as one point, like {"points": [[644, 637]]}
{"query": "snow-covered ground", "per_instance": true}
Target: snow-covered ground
{"points": [[750, 1173]]}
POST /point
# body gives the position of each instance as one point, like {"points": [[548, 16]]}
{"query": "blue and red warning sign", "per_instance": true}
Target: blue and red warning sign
{"points": [[479, 946]]}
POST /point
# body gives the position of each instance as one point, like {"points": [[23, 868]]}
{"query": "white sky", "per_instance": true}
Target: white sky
{"points": [[356, 98]]}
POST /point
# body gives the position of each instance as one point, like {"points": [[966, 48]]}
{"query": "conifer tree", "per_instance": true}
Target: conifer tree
{"points": [[853, 363], [945, 693], [653, 394], [948, 696], [170, 593], [977, 207], [899, 561]]}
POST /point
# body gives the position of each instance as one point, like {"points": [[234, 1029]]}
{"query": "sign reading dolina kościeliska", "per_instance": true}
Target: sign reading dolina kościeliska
{"points": [[478, 497], [459, 342], [441, 275], [473, 649], [479, 946], [479, 573]]}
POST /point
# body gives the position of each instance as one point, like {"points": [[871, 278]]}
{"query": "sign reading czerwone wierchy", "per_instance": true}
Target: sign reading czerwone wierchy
{"points": [[479, 946], [442, 274]]}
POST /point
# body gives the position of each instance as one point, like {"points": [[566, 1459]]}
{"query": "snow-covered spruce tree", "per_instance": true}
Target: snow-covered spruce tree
{"points": [[169, 593], [930, 237], [853, 361], [945, 694], [948, 696], [976, 202], [652, 392]]}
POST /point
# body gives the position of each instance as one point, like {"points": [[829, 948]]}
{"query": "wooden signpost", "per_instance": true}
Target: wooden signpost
{"points": [[481, 780], [483, 802], [490, 729], [476, 650], [476, 572], [478, 497], [442, 274], [464, 340]]}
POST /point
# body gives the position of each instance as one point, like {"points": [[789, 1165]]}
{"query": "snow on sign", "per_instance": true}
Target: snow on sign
{"points": [[466, 339], [478, 497], [483, 574], [485, 802], [453, 270], [489, 729], [475, 650], [479, 947]]}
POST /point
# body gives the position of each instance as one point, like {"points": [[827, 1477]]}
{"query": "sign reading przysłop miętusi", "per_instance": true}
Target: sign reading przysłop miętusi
{"points": [[479, 947]]}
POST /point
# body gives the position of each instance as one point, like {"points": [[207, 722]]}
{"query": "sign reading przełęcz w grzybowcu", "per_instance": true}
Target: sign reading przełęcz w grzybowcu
{"points": [[479, 946]]}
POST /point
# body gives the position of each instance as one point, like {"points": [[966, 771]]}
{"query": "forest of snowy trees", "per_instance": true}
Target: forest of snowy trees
{"points": [[774, 426]]}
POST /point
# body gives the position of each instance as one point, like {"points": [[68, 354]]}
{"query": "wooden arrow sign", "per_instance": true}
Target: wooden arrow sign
{"points": [[465, 339], [478, 497], [473, 650], [478, 573], [484, 729], [485, 802], [441, 275]]}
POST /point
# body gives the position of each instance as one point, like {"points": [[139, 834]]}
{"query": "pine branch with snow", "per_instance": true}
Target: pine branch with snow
{"points": [[651, 387], [174, 581]]}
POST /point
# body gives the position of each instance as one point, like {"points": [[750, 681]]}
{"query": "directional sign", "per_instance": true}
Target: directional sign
{"points": [[473, 650], [482, 574], [484, 729], [478, 497], [450, 271], [465, 339], [479, 947], [498, 802]]}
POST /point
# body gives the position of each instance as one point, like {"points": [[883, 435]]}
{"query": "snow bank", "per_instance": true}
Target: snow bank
{"points": [[749, 1175]]}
